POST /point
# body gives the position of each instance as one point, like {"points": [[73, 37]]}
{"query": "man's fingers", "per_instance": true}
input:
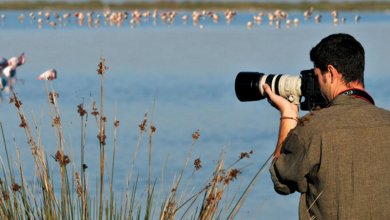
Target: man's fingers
{"points": [[270, 95], [268, 90]]}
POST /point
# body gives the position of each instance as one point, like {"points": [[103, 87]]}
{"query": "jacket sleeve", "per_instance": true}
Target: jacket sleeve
{"points": [[290, 172]]}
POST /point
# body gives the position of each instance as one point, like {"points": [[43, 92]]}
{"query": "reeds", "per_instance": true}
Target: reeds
{"points": [[41, 199]]}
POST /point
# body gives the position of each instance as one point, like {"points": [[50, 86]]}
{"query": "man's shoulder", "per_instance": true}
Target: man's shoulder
{"points": [[340, 116], [312, 118]]}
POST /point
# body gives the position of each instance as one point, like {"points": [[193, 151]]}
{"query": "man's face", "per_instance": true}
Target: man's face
{"points": [[324, 82]]}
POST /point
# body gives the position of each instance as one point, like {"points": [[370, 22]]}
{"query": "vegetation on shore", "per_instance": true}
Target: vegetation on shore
{"points": [[68, 193], [199, 5]]}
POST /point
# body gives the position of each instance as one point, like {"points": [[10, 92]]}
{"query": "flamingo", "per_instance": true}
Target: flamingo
{"points": [[16, 61], [50, 74], [8, 67], [8, 71]]}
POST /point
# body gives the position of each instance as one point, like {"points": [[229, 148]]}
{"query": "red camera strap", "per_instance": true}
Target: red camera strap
{"points": [[359, 94]]}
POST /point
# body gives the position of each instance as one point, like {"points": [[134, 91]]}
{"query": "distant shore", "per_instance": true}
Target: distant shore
{"points": [[187, 5]]}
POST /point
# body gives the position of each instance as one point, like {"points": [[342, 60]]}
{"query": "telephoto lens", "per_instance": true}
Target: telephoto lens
{"points": [[249, 86]]}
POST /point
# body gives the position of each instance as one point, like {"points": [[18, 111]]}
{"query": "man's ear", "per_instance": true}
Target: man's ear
{"points": [[334, 74]]}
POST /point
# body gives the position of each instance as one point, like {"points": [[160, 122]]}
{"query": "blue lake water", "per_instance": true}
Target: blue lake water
{"points": [[182, 75]]}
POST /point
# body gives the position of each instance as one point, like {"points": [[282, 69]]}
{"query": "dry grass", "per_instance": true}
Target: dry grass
{"points": [[41, 200]]}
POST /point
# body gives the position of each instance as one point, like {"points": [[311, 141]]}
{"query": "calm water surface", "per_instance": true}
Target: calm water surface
{"points": [[182, 76]]}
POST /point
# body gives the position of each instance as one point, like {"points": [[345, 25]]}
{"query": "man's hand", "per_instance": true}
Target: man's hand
{"points": [[288, 120], [286, 108]]}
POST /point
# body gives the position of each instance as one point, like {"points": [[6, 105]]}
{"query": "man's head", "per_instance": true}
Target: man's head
{"points": [[342, 52]]}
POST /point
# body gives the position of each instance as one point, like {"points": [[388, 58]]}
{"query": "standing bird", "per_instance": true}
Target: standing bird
{"points": [[8, 71], [50, 74], [16, 61]]}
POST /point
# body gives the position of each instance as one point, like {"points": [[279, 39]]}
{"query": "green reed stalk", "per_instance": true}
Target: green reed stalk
{"points": [[82, 112], [149, 202], [6, 152], [132, 199], [111, 208], [29, 211], [151, 130], [142, 128], [6, 206]]}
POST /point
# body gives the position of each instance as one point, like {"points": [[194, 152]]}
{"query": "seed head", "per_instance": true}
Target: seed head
{"points": [[246, 154], [61, 158], [152, 129], [52, 97], [56, 121], [16, 101], [23, 123], [197, 164], [231, 175], [94, 110], [116, 123], [16, 187], [196, 135], [142, 126], [81, 110], [101, 67]]}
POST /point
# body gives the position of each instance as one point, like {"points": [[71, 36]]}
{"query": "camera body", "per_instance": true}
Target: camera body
{"points": [[303, 90]]}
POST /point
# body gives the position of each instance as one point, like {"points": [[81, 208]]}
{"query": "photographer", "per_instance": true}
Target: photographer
{"points": [[337, 157]]}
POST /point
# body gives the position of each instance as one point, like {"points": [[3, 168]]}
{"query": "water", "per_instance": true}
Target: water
{"points": [[182, 76]]}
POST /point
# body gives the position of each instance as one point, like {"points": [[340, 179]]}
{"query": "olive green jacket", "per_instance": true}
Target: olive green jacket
{"points": [[338, 158]]}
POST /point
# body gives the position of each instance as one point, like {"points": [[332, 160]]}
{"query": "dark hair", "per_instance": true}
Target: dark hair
{"points": [[342, 51]]}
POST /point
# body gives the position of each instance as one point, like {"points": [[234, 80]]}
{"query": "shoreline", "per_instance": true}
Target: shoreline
{"points": [[164, 5]]}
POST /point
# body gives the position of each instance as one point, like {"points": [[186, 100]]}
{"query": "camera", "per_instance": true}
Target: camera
{"points": [[302, 90]]}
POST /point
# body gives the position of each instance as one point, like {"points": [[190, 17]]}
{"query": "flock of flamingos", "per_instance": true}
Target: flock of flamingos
{"points": [[56, 19]]}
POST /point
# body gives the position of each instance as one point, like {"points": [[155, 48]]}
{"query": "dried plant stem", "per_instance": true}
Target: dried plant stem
{"points": [[111, 208], [38, 157], [170, 206], [102, 134], [150, 156], [129, 177], [152, 129], [213, 195], [150, 192], [72, 199], [193, 198], [6, 152], [66, 202], [241, 200]]}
